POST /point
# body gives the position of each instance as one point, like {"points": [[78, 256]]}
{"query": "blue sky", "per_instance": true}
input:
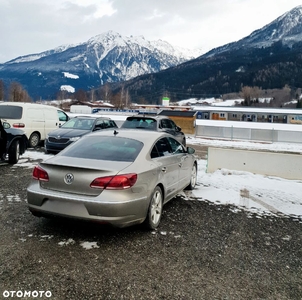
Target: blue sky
{"points": [[33, 26]]}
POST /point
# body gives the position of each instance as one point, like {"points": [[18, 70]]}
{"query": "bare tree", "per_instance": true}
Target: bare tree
{"points": [[250, 95], [116, 100], [2, 90], [246, 94], [105, 92], [81, 95], [282, 96], [17, 93], [128, 100], [61, 95]]}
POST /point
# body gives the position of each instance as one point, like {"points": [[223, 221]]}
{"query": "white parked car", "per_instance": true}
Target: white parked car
{"points": [[36, 120]]}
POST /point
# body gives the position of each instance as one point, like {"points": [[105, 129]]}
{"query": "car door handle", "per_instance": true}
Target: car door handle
{"points": [[164, 169], [180, 164]]}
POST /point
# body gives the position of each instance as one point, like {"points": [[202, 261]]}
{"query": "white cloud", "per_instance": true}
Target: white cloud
{"points": [[34, 26]]}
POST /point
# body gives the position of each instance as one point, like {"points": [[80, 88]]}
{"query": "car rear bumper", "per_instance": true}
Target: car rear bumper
{"points": [[117, 213]]}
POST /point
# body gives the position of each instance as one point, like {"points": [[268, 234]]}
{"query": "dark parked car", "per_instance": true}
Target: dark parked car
{"points": [[155, 123], [13, 143], [73, 130]]}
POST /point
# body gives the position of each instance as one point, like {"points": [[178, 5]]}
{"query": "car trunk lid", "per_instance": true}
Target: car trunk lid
{"points": [[70, 175]]}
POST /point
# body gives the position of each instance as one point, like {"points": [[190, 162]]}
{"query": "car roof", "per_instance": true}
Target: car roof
{"points": [[90, 117], [28, 104], [156, 117], [135, 134]]}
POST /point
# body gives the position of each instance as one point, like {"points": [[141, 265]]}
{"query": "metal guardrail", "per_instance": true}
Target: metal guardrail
{"points": [[250, 134]]}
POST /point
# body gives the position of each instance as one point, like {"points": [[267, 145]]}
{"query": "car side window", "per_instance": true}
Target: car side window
{"points": [[163, 124], [176, 146], [108, 124], [171, 124], [161, 148], [62, 116], [99, 125]]}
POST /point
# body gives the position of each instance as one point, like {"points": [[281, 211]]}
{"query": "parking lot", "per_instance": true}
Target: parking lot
{"points": [[200, 251]]}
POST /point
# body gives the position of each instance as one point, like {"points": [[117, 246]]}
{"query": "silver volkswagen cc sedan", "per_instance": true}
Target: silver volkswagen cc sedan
{"points": [[116, 177]]}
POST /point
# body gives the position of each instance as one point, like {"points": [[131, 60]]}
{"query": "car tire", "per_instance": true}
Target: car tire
{"points": [[14, 152], [193, 179], [35, 213], [155, 209], [34, 140]]}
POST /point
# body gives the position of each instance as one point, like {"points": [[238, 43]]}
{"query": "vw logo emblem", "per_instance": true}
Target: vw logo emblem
{"points": [[68, 179]]}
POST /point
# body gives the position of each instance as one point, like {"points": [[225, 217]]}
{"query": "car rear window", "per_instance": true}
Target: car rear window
{"points": [[139, 122], [105, 148], [11, 112]]}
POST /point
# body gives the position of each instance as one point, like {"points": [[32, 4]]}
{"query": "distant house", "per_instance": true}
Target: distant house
{"points": [[98, 103], [94, 104]]}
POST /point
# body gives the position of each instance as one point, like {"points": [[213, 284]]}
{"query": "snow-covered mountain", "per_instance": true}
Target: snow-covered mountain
{"points": [[287, 28], [269, 58], [108, 57]]}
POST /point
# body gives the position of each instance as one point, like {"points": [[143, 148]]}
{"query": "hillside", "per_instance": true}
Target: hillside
{"points": [[269, 58], [108, 57]]}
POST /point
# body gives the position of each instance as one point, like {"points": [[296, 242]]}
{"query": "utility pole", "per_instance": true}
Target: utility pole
{"points": [[92, 95]]}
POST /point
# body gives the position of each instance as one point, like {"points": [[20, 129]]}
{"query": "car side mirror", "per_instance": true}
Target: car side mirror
{"points": [[190, 150], [178, 128]]}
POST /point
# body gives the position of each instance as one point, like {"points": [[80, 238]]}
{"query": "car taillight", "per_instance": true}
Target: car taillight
{"points": [[18, 125], [118, 182], [40, 174]]}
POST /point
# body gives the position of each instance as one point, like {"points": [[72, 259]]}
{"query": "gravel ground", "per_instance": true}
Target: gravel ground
{"points": [[200, 251]]}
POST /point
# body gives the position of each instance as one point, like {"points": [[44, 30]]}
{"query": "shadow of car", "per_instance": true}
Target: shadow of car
{"points": [[155, 123], [73, 130], [117, 177], [13, 143]]}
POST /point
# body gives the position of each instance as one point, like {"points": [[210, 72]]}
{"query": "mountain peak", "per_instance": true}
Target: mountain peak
{"points": [[107, 57], [287, 28]]}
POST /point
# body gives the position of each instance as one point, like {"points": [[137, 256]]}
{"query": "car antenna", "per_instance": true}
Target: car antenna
{"points": [[115, 132]]}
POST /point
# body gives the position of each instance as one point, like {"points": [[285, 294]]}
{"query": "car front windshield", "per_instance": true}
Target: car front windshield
{"points": [[78, 123], [111, 148]]}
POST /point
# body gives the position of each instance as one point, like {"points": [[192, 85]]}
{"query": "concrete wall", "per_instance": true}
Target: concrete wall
{"points": [[282, 165]]}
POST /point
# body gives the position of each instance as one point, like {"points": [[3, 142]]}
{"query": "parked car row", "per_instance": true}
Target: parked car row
{"points": [[78, 126], [117, 176]]}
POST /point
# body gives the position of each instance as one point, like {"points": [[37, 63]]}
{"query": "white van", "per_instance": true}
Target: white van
{"points": [[37, 120]]}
